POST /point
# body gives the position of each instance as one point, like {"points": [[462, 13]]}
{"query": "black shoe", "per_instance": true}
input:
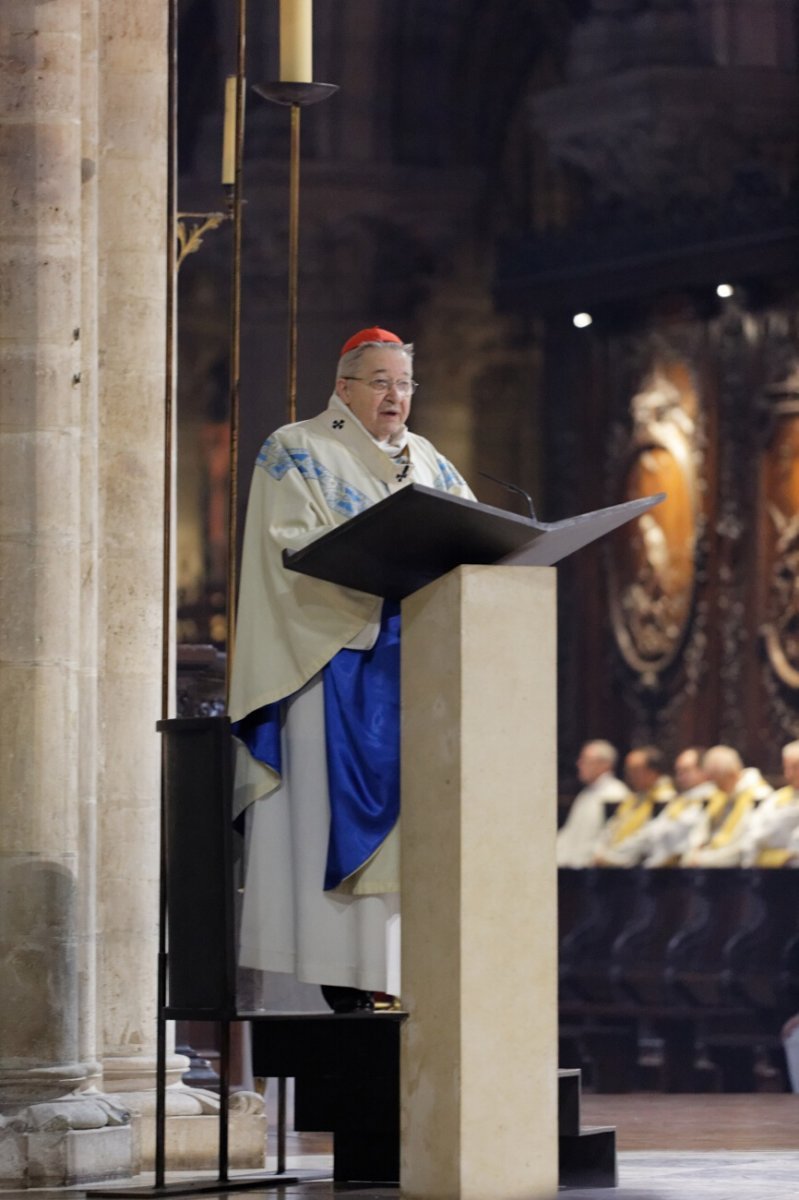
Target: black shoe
{"points": [[347, 999]]}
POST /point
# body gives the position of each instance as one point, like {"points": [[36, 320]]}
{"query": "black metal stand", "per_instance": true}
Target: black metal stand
{"points": [[197, 974]]}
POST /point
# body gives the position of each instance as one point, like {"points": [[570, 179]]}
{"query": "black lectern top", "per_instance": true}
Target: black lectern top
{"points": [[417, 534]]}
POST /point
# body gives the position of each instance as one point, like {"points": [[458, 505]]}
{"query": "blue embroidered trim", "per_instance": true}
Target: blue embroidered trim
{"points": [[339, 496], [448, 478], [274, 457]]}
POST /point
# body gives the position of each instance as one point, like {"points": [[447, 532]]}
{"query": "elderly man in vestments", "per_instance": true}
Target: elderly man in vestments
{"points": [[314, 692], [672, 832], [577, 837], [662, 840], [721, 835], [772, 835], [651, 788]]}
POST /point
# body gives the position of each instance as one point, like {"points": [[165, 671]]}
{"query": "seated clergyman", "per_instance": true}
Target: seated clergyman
{"points": [[595, 769], [771, 836], [671, 833], [720, 837], [643, 770], [663, 839]]}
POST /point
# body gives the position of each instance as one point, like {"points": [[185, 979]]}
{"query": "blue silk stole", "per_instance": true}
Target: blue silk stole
{"points": [[362, 703]]}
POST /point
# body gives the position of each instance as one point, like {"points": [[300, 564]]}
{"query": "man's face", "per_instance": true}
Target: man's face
{"points": [[688, 771], [638, 774], [590, 765], [790, 769], [382, 412], [724, 777]]}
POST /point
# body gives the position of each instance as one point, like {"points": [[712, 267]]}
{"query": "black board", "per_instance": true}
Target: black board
{"points": [[417, 534]]}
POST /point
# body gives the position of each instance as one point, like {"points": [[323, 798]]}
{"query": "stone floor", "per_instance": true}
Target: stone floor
{"points": [[643, 1175], [670, 1148]]}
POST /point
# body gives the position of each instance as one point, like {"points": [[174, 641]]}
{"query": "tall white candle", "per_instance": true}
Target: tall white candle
{"points": [[229, 133], [296, 41]]}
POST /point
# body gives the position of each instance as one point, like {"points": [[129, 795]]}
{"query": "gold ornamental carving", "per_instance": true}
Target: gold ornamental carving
{"points": [[781, 628], [653, 560]]}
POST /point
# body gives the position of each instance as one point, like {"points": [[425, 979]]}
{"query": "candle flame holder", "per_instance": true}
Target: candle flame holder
{"points": [[302, 94]]}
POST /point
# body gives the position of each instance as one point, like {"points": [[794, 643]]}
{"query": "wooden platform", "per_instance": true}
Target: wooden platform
{"points": [[652, 1121], [346, 1080]]}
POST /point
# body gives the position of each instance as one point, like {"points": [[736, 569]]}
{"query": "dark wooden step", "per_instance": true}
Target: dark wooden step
{"points": [[588, 1159], [346, 1072], [569, 1088]]}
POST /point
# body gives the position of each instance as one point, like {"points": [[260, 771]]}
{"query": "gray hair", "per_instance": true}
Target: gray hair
{"points": [[349, 361], [722, 758], [604, 751]]}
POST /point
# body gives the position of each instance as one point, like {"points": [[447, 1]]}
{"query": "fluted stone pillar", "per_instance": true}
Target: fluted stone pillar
{"points": [[131, 172], [132, 205], [83, 327], [87, 678], [40, 249], [51, 1131]]}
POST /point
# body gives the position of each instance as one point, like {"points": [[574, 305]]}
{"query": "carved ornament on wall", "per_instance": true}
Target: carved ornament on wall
{"points": [[653, 560], [781, 628]]}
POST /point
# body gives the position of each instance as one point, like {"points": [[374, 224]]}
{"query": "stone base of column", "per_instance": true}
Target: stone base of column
{"points": [[79, 1156], [192, 1126], [81, 1138], [191, 1143], [191, 1117], [89, 1137]]}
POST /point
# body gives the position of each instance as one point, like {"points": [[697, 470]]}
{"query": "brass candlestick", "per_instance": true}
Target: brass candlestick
{"points": [[297, 96]]}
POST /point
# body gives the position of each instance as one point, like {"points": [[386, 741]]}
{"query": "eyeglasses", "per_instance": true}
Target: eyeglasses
{"points": [[403, 387]]}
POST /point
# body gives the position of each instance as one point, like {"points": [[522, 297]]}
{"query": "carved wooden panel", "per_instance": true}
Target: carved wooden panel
{"points": [[683, 628], [778, 568], [652, 561], [781, 512]]}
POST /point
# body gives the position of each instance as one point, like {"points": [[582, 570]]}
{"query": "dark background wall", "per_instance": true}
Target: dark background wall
{"points": [[486, 171]]}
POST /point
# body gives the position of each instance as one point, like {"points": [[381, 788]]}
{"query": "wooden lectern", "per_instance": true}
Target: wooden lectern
{"points": [[479, 1075]]}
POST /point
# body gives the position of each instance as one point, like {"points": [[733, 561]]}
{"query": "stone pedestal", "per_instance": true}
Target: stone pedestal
{"points": [[83, 1137], [192, 1129], [78, 1156], [479, 953]]}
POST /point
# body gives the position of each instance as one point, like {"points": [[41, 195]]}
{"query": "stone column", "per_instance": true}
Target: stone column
{"points": [[40, 250], [87, 679], [132, 208], [82, 318], [48, 1132], [131, 182]]}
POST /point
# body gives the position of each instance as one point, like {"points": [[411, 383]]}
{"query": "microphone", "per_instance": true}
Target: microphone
{"points": [[512, 487]]}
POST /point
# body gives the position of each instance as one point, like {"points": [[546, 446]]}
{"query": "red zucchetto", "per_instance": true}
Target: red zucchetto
{"points": [[369, 335]]}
